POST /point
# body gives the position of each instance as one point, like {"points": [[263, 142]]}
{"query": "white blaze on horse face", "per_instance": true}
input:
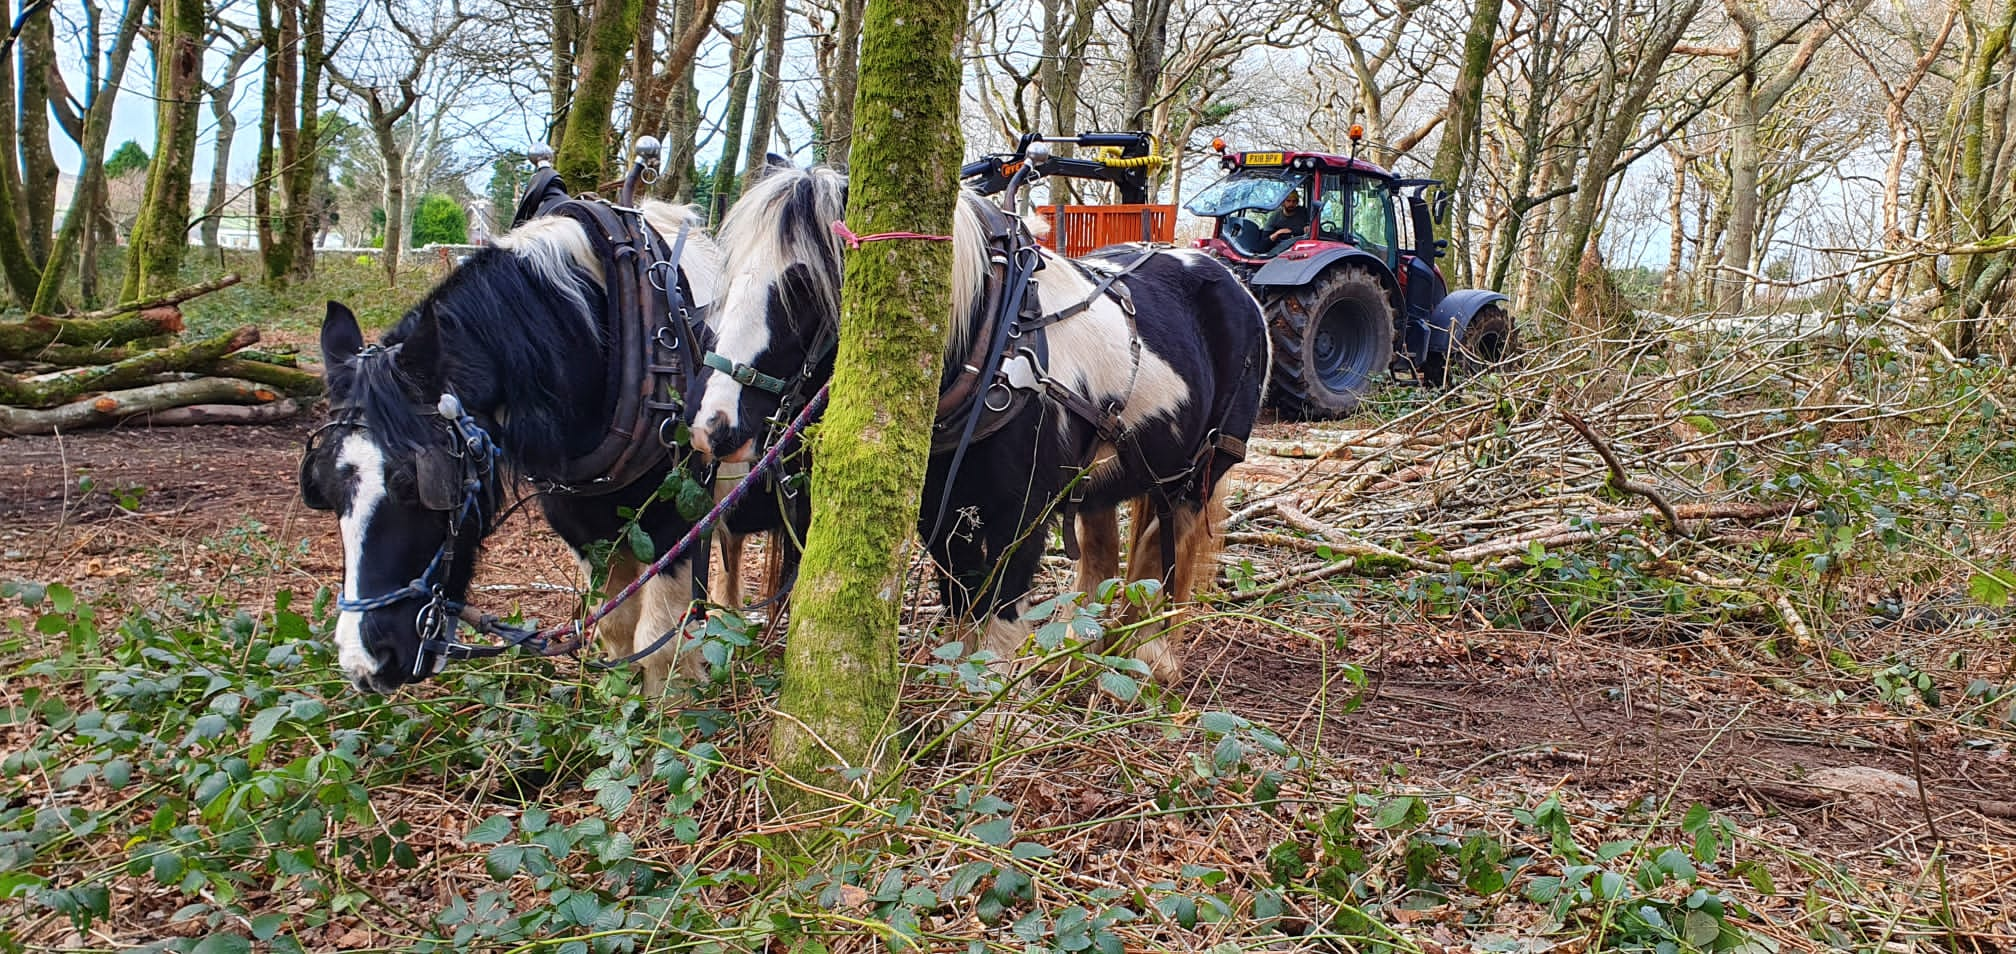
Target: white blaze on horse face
{"points": [[362, 458], [744, 331]]}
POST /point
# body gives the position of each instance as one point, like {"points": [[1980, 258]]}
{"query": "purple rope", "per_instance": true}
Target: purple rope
{"points": [[762, 467]]}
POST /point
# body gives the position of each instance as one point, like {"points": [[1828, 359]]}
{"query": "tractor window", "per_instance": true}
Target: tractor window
{"points": [[1330, 215], [1372, 217], [1244, 190]]}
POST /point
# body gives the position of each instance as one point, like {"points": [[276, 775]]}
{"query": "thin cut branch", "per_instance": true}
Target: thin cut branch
{"points": [[1618, 479]]}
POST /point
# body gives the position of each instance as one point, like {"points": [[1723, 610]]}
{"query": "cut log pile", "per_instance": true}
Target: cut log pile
{"points": [[131, 362]]}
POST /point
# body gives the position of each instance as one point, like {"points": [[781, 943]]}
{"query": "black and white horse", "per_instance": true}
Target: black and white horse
{"points": [[1179, 349], [509, 353]]}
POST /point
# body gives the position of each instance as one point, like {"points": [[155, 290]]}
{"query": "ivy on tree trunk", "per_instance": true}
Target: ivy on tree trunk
{"points": [[583, 153], [161, 234], [840, 665]]}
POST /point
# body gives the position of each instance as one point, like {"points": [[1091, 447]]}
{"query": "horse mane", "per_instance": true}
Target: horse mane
{"points": [[510, 322], [787, 217], [385, 396], [557, 246]]}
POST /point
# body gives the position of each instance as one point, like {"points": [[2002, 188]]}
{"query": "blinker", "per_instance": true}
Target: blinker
{"points": [[438, 479]]}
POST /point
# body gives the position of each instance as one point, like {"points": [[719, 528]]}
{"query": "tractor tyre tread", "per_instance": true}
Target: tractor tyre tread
{"points": [[1291, 319]]}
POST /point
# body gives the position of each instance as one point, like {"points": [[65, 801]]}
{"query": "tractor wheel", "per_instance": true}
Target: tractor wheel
{"points": [[1332, 342], [1491, 340]]}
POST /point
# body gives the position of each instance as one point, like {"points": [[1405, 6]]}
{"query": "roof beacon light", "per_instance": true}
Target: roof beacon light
{"points": [[1218, 143], [1357, 132]]}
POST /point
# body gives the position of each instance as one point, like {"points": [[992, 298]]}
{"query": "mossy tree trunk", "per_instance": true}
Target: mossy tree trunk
{"points": [[304, 216], [840, 665], [1460, 133], [37, 50], [743, 55], [161, 234], [582, 157], [296, 59], [770, 83]]}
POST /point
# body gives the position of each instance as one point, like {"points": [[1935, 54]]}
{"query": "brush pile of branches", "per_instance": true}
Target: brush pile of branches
{"points": [[129, 362], [1677, 436]]}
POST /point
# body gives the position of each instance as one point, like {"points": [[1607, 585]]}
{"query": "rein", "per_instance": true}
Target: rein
{"points": [[571, 636]]}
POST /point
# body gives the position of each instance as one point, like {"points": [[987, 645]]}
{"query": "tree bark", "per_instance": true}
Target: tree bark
{"points": [[1147, 47], [1461, 131], [221, 115], [836, 119], [1670, 284], [17, 263], [87, 201], [37, 198], [384, 125], [565, 34], [303, 221], [161, 235], [1663, 32], [744, 56], [841, 677], [582, 157], [770, 83], [1752, 99], [279, 33], [691, 21]]}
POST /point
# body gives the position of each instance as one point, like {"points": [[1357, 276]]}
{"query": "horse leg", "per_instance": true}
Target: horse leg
{"points": [[1149, 644], [725, 588], [617, 629], [1098, 547], [1006, 597], [665, 599]]}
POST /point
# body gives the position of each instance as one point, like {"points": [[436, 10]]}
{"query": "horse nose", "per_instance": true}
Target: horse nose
{"points": [[711, 433]]}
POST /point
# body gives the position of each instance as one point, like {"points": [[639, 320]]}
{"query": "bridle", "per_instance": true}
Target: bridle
{"points": [[470, 491]]}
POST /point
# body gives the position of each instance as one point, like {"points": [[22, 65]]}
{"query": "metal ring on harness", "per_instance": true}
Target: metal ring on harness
{"points": [[664, 330], [669, 440], [1007, 397], [654, 270]]}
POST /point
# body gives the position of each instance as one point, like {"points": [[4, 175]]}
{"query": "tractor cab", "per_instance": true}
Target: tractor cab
{"points": [[1348, 202]]}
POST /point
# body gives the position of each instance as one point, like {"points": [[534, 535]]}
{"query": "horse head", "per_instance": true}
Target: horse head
{"points": [[413, 481], [778, 323]]}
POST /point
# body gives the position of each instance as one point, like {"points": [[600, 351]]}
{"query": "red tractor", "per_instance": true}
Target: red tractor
{"points": [[1351, 288]]}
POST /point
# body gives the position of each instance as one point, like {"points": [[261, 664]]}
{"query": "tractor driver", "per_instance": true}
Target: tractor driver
{"points": [[1289, 221]]}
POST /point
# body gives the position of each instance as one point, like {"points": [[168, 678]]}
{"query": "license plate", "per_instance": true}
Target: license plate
{"points": [[1264, 158]]}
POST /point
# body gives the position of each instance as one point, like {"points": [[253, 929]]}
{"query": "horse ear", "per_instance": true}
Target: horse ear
{"points": [[773, 161], [341, 340], [420, 352]]}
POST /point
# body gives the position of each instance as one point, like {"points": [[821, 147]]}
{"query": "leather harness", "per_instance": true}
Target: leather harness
{"points": [[651, 328], [1015, 318]]}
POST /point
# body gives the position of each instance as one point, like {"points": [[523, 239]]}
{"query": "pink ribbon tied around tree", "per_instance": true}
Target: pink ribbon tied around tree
{"points": [[855, 241]]}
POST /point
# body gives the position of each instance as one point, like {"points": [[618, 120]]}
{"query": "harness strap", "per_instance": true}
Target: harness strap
{"points": [[745, 375], [1098, 291]]}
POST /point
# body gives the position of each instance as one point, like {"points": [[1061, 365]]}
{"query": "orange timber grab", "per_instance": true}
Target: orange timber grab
{"points": [[1082, 228]]}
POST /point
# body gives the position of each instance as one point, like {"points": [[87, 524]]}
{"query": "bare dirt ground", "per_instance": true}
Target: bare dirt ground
{"points": [[1450, 703]]}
